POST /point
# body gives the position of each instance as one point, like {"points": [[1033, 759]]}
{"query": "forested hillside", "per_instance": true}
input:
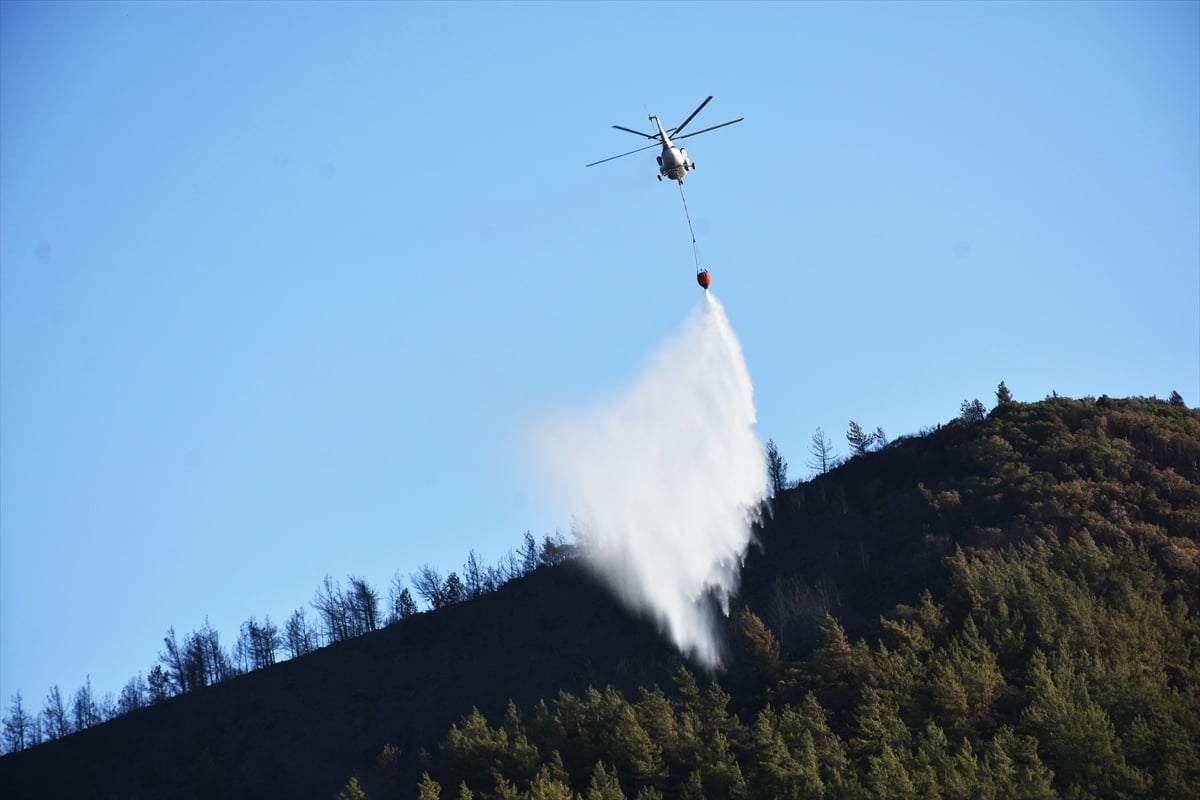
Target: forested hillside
{"points": [[1005, 606], [1038, 573]]}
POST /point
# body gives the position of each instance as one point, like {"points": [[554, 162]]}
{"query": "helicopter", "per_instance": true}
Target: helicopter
{"points": [[674, 162]]}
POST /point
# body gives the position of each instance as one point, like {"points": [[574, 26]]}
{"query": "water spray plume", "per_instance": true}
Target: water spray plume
{"points": [[666, 479]]}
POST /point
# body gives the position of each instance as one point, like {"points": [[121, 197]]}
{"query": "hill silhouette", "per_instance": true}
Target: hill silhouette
{"points": [[1017, 590], [299, 727]]}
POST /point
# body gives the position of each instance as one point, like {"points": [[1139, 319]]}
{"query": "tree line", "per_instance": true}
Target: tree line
{"points": [[199, 658], [824, 456]]}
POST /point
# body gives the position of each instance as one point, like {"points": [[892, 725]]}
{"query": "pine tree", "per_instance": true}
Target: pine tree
{"points": [[472, 750], [352, 791], [604, 784], [693, 787], [1076, 734], [1003, 395], [962, 780], [877, 725], [859, 440], [387, 765], [761, 644], [428, 788], [1015, 769], [721, 773], [773, 771], [400, 600], [545, 786], [887, 778], [529, 554], [776, 469], [836, 771], [453, 591], [649, 793]]}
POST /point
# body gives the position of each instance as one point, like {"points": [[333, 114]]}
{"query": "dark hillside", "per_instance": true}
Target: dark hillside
{"points": [[1004, 607], [874, 532], [299, 728]]}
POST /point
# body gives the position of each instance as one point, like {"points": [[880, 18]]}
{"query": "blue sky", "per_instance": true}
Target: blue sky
{"points": [[283, 286]]}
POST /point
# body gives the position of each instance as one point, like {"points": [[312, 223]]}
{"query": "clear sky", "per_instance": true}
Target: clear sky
{"points": [[282, 286]]}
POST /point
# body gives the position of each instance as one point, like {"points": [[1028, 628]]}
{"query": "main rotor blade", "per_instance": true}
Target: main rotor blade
{"points": [[631, 152], [694, 113], [713, 128], [639, 133]]}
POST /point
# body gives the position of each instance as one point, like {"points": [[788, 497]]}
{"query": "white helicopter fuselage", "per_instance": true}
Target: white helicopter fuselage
{"points": [[673, 163]]}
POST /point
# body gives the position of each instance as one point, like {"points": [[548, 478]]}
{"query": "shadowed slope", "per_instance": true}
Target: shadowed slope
{"points": [[297, 729]]}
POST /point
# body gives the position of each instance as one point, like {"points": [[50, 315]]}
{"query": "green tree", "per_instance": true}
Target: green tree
{"points": [[604, 784], [877, 724], [964, 682], [1014, 768], [721, 774], [1076, 734], [760, 643], [962, 779], [693, 787], [387, 765], [887, 777], [476, 753], [1003, 395], [773, 771], [428, 788], [833, 668], [604, 726], [472, 750], [657, 717], [835, 769], [547, 787], [352, 791], [972, 410]]}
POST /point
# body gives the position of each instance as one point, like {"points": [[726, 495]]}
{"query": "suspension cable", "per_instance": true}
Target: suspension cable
{"points": [[691, 230]]}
